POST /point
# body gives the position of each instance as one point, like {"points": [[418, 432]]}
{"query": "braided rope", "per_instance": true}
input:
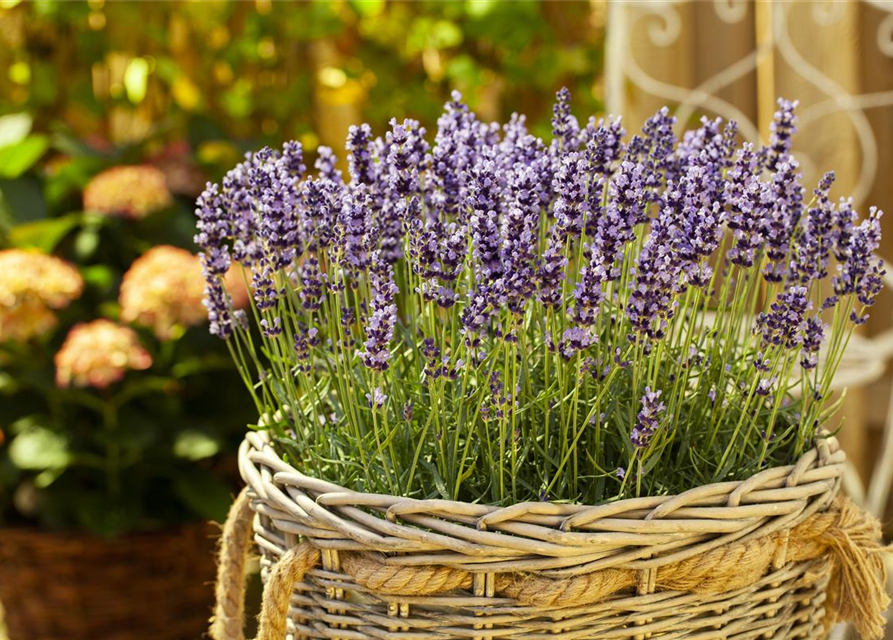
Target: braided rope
{"points": [[850, 535], [232, 556]]}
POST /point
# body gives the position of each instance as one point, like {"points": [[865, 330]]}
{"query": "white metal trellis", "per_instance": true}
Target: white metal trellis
{"points": [[664, 27], [868, 359]]}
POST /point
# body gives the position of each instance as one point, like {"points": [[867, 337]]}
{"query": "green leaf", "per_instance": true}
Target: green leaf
{"points": [[44, 234], [438, 481], [136, 76], [479, 8], [8, 383], [16, 159], [45, 478], [202, 492], [368, 8], [195, 445], [86, 242], [14, 128], [39, 448], [100, 276], [21, 201]]}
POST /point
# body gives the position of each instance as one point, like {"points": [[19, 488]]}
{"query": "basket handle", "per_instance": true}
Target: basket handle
{"points": [[228, 621]]}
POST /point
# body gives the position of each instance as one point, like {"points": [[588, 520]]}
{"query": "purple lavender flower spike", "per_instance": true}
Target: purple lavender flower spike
{"points": [[761, 363], [453, 249], [263, 285], [484, 224], [304, 341], [354, 228], [380, 324], [406, 149], [604, 143], [782, 325], [658, 272], [214, 230], [216, 301], [475, 316], [648, 419], [551, 272], [451, 158], [627, 192], [312, 283], [747, 197], [575, 340], [424, 249], [520, 229], [565, 128], [862, 274], [360, 163], [782, 129], [327, 165], [570, 185], [785, 210], [653, 153], [845, 219], [293, 159], [812, 247], [813, 335]]}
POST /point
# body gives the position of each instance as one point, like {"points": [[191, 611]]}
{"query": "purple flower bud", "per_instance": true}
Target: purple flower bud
{"points": [[271, 330], [782, 325], [648, 419], [327, 165], [377, 398]]}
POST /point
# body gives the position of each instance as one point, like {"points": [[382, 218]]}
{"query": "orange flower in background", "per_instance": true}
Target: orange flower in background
{"points": [[132, 192], [32, 285], [236, 283], [163, 290], [98, 354]]}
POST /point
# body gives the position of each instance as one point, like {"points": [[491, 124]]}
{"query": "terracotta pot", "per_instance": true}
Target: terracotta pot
{"points": [[74, 586]]}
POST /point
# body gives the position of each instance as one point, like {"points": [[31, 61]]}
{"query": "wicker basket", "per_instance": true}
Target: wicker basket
{"points": [[72, 586], [779, 555]]}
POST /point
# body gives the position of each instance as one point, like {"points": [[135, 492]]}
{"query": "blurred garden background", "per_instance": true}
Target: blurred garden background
{"points": [[113, 115], [120, 417], [177, 92]]}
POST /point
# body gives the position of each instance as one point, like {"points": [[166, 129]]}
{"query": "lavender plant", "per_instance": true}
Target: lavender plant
{"points": [[497, 318]]}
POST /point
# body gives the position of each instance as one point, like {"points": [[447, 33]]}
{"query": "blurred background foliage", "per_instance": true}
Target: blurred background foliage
{"points": [[188, 87], [226, 76]]}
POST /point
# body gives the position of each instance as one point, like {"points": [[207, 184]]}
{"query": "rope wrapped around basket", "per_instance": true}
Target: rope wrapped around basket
{"points": [[847, 535]]}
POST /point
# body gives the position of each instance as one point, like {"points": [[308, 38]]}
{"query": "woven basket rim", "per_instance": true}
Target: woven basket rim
{"points": [[555, 539]]}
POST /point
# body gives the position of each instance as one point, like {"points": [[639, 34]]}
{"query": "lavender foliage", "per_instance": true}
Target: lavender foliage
{"points": [[497, 318]]}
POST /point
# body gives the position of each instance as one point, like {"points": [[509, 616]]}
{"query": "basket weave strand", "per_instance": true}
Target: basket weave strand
{"points": [[778, 555], [848, 533]]}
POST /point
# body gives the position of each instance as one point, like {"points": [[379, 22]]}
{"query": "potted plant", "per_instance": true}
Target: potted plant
{"points": [[117, 410], [510, 388]]}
